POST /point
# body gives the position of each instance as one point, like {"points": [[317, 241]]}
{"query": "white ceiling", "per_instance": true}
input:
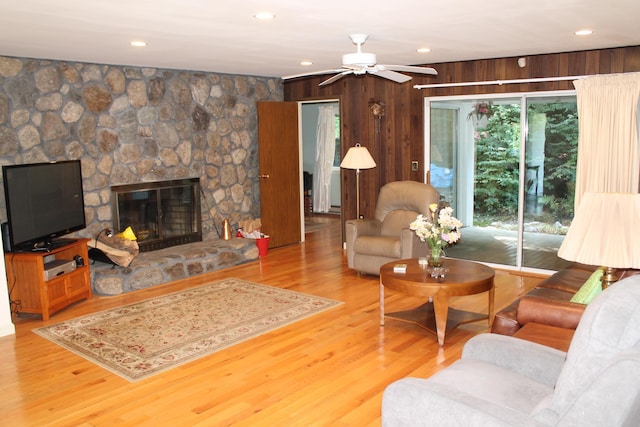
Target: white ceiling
{"points": [[223, 36]]}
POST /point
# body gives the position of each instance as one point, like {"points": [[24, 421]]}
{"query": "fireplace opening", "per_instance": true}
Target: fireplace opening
{"points": [[161, 214]]}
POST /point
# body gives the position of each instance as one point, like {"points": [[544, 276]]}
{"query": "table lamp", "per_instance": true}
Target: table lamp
{"points": [[604, 232], [357, 158]]}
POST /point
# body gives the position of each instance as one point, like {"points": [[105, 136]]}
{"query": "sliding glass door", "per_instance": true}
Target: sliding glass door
{"points": [[506, 164]]}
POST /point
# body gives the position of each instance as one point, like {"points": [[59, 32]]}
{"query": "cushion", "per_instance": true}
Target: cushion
{"points": [[378, 246], [395, 221], [591, 288], [567, 280]]}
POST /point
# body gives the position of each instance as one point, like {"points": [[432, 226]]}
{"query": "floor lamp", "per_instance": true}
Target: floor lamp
{"points": [[357, 158], [604, 232]]}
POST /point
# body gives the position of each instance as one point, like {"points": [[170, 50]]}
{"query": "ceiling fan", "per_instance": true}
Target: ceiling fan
{"points": [[361, 62]]}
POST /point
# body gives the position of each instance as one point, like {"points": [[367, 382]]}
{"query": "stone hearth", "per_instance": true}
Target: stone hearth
{"points": [[169, 264]]}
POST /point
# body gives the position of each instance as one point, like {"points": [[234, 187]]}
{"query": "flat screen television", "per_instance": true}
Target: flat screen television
{"points": [[44, 201]]}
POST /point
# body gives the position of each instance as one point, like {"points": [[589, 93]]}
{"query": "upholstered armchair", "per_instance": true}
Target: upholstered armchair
{"points": [[505, 381], [373, 242]]}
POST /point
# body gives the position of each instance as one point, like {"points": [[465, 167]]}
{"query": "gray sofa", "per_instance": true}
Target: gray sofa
{"points": [[504, 381]]}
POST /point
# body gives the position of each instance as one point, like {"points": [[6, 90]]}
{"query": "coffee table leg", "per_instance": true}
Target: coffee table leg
{"points": [[441, 311], [381, 303]]}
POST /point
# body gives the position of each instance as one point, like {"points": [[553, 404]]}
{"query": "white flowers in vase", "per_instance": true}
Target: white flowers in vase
{"points": [[440, 230]]}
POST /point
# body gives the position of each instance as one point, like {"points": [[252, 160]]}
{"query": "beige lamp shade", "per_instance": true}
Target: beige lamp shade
{"points": [[358, 157], [605, 231]]}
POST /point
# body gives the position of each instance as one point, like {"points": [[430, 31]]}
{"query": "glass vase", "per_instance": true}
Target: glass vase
{"points": [[437, 257]]}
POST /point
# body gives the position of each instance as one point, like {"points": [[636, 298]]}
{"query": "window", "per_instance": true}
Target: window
{"points": [[507, 166]]}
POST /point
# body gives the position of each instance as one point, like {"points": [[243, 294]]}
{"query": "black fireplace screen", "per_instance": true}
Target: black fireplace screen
{"points": [[161, 214]]}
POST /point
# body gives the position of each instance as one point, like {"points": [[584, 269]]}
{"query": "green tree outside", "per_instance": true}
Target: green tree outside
{"points": [[498, 157]]}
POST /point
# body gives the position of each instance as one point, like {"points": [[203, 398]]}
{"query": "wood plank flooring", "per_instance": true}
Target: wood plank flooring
{"points": [[327, 370]]}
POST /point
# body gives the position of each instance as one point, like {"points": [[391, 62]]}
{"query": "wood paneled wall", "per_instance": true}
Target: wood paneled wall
{"points": [[397, 138]]}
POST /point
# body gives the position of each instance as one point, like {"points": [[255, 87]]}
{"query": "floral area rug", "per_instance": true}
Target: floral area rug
{"points": [[141, 339]]}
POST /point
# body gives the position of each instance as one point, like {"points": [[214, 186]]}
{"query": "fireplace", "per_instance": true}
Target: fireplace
{"points": [[161, 214]]}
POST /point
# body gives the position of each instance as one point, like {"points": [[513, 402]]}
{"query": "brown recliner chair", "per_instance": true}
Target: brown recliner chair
{"points": [[374, 242]]}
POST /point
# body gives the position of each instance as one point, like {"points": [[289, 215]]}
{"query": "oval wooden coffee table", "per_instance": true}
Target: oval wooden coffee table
{"points": [[462, 278]]}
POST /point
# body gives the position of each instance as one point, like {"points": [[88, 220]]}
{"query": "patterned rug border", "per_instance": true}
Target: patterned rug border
{"points": [[86, 337]]}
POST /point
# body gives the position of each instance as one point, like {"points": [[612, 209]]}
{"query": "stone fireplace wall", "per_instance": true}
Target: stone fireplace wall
{"points": [[132, 124]]}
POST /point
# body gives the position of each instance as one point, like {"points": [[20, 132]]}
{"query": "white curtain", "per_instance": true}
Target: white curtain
{"points": [[325, 153], [608, 154]]}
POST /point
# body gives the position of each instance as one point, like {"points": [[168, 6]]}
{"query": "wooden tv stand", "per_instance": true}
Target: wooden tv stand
{"points": [[34, 294]]}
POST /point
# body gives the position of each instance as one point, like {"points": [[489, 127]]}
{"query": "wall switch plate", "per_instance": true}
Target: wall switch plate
{"points": [[414, 166]]}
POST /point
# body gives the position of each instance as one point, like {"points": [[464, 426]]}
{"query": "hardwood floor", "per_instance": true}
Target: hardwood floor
{"points": [[330, 369], [317, 222]]}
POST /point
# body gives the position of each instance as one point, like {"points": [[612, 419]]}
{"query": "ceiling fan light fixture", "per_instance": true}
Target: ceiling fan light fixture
{"points": [[423, 50], [359, 58]]}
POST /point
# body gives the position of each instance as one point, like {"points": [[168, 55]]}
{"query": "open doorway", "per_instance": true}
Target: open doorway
{"points": [[320, 135]]}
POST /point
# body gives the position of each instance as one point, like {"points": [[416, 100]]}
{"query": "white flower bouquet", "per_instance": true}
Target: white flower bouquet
{"points": [[440, 230]]}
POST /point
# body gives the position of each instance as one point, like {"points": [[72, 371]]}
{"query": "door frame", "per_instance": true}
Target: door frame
{"points": [[301, 151]]}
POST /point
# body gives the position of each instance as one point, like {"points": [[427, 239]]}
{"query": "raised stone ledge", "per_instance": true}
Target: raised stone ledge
{"points": [[169, 264]]}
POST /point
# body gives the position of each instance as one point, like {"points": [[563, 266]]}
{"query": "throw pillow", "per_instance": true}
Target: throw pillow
{"points": [[590, 289]]}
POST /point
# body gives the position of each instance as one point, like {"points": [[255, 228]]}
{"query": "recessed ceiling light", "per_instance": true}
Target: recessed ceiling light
{"points": [[264, 15], [424, 50], [583, 32], [306, 63], [138, 43]]}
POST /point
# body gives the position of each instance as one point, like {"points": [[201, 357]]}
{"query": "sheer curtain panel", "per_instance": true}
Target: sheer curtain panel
{"points": [[325, 153]]}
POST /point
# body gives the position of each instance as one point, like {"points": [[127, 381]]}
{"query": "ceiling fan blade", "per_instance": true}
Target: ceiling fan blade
{"points": [[354, 67], [411, 69], [336, 77], [312, 73], [391, 75]]}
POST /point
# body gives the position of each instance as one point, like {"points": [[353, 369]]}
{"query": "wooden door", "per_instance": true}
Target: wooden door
{"points": [[279, 157]]}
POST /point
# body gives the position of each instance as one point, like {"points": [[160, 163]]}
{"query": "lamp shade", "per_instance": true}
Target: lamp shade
{"points": [[605, 231], [358, 157]]}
